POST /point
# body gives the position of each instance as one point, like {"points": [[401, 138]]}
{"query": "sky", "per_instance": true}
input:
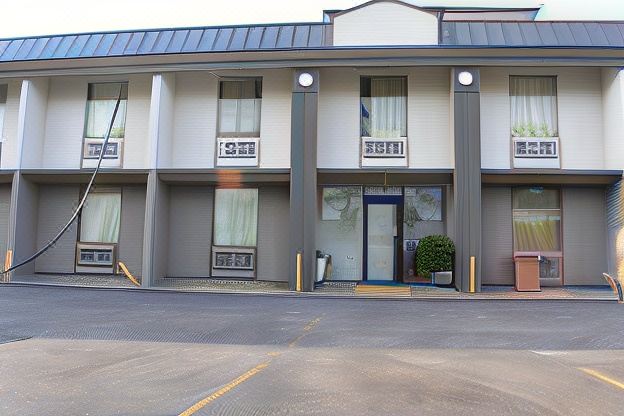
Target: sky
{"points": [[43, 17]]}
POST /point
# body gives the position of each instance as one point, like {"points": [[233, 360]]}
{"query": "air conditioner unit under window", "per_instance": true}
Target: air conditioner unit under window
{"points": [[237, 151], [95, 258], [233, 261], [92, 148], [536, 152], [384, 151]]}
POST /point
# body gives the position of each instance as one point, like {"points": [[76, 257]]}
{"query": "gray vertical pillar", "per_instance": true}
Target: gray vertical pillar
{"points": [[303, 176], [467, 178]]}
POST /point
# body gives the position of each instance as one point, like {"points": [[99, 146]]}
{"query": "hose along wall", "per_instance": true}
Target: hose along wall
{"points": [[82, 201]]}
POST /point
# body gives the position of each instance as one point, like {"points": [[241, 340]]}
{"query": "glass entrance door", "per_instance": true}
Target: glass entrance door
{"points": [[381, 239]]}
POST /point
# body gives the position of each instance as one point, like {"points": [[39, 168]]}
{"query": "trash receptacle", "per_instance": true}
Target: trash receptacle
{"points": [[323, 261], [527, 271]]}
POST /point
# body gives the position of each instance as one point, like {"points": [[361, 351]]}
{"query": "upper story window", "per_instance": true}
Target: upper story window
{"points": [[240, 103], [101, 101], [383, 107], [533, 106]]}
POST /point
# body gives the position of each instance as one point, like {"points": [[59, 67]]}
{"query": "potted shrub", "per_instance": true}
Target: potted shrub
{"points": [[436, 254]]}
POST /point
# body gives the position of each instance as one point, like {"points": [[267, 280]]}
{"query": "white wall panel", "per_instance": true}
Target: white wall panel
{"points": [[9, 130], [275, 119], [339, 119], [136, 142], [195, 120], [386, 23], [579, 99], [613, 117], [65, 123]]}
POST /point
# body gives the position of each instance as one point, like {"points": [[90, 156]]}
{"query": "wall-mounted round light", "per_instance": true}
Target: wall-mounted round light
{"points": [[465, 78], [305, 79]]}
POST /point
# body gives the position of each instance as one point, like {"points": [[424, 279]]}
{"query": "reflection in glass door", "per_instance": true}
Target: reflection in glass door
{"points": [[382, 233]]}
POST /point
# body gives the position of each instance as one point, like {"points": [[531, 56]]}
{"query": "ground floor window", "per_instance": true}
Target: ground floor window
{"points": [[100, 218], [236, 217], [537, 227]]}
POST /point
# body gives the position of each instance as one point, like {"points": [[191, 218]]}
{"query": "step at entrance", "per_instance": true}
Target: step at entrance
{"points": [[384, 290]]}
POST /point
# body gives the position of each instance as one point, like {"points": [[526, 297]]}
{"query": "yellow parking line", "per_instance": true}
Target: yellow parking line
{"points": [[239, 380], [602, 377], [309, 326]]}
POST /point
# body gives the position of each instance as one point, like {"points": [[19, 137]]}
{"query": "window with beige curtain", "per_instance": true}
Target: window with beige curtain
{"points": [[383, 107], [236, 217], [536, 219], [533, 106], [240, 103], [100, 218], [101, 101]]}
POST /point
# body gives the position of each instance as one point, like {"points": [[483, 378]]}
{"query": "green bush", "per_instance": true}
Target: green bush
{"points": [[434, 253]]}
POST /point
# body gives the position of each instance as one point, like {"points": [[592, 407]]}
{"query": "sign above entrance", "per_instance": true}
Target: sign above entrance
{"points": [[383, 190]]}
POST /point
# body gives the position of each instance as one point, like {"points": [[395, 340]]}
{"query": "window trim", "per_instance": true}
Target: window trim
{"points": [[369, 78], [238, 135], [86, 116], [558, 254], [100, 190], [214, 214]]}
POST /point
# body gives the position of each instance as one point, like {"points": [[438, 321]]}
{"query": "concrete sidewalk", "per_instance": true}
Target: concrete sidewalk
{"points": [[329, 289]]}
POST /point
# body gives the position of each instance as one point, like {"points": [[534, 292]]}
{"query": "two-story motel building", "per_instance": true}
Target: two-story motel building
{"points": [[236, 148]]}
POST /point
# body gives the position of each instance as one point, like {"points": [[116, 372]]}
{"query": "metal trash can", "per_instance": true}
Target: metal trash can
{"points": [[527, 271], [323, 261]]}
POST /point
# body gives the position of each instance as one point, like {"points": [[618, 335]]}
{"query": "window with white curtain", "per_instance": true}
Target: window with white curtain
{"points": [[3, 99], [100, 218], [383, 107], [236, 217], [101, 101], [533, 106], [240, 103]]}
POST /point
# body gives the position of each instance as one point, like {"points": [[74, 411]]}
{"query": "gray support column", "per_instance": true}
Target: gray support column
{"points": [[156, 231], [467, 178], [303, 204]]}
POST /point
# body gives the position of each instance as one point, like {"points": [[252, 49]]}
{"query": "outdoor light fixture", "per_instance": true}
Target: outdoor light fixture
{"points": [[465, 78], [305, 79]]}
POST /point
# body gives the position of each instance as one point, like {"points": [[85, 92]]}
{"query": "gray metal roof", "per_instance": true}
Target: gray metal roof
{"points": [[533, 34], [299, 36], [164, 41]]}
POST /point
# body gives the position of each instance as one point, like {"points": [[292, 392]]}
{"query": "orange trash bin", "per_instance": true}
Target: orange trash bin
{"points": [[527, 272]]}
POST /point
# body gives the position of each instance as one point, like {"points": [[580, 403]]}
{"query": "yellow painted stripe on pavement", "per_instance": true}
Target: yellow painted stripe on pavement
{"points": [[602, 377], [214, 396]]}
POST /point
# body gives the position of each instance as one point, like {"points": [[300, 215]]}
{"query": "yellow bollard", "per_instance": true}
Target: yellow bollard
{"points": [[299, 276], [472, 287]]}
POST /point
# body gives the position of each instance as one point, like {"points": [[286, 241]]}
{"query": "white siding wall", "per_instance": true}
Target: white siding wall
{"points": [[386, 23], [66, 116], [579, 97], [613, 117], [429, 114], [196, 112], [9, 130], [136, 143]]}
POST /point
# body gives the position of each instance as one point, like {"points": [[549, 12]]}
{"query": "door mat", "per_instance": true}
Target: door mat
{"points": [[383, 290]]}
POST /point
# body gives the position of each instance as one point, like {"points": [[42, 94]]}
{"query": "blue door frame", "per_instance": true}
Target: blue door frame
{"points": [[398, 241]]}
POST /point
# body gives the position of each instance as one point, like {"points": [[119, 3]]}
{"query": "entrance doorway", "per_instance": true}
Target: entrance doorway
{"points": [[383, 237]]}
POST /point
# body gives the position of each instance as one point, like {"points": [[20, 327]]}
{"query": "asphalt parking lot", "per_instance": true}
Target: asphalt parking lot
{"points": [[106, 352]]}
